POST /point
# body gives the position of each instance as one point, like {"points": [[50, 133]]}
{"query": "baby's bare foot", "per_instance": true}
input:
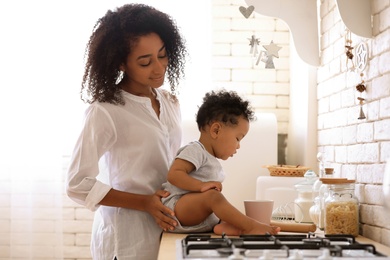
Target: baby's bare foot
{"points": [[261, 228], [275, 230]]}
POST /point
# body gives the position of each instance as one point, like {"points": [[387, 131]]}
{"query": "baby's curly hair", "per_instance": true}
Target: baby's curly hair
{"points": [[223, 106], [111, 41]]}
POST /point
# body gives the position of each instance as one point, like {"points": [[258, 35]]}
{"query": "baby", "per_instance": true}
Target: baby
{"points": [[195, 176]]}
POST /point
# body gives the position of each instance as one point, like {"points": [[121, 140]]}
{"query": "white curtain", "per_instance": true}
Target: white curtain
{"points": [[32, 203], [32, 77]]}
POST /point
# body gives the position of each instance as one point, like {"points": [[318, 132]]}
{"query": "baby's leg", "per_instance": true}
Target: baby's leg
{"points": [[258, 229], [191, 208]]}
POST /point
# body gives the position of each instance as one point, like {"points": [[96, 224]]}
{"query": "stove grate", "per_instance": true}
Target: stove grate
{"points": [[336, 244]]}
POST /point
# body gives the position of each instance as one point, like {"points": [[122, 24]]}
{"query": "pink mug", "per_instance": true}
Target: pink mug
{"points": [[260, 210]]}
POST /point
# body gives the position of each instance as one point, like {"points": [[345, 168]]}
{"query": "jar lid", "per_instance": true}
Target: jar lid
{"points": [[307, 184], [329, 171], [336, 180]]}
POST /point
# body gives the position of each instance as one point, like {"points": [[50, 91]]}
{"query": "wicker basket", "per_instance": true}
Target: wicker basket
{"points": [[287, 170]]}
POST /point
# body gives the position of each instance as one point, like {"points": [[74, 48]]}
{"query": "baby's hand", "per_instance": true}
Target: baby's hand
{"points": [[216, 185]]}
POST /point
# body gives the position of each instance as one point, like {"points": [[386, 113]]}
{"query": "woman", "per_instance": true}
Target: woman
{"points": [[131, 125]]}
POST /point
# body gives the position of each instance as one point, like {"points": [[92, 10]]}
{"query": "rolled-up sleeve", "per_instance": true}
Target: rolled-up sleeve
{"points": [[97, 136]]}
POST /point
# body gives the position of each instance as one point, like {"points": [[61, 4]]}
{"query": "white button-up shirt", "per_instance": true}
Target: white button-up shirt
{"points": [[136, 147]]}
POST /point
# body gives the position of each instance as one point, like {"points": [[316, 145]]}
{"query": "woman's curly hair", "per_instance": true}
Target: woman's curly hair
{"points": [[223, 106], [111, 41]]}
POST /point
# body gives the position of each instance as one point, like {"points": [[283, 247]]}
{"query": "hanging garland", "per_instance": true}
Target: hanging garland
{"points": [[270, 51]]}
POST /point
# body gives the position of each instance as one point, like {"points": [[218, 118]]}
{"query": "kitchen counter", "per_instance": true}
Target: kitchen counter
{"points": [[168, 244]]}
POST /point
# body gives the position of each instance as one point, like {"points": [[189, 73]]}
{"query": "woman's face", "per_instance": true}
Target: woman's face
{"points": [[147, 63]]}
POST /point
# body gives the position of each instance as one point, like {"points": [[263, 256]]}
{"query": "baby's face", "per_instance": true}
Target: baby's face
{"points": [[229, 139]]}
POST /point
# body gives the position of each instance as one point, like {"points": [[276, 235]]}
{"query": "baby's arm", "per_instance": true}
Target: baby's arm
{"points": [[211, 185], [178, 175]]}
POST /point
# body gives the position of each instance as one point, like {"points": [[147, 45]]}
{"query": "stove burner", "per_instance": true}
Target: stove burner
{"points": [[198, 246]]}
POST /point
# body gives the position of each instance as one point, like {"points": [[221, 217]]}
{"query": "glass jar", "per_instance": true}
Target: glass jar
{"points": [[322, 195], [342, 208], [315, 211], [302, 205], [304, 201]]}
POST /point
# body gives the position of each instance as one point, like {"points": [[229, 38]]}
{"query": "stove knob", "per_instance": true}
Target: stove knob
{"points": [[296, 255], [325, 255]]}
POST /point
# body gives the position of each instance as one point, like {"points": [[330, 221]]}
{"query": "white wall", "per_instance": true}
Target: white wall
{"points": [[357, 149], [234, 68]]}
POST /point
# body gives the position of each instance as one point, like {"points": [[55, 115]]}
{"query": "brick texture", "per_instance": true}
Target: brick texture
{"points": [[234, 68], [357, 148]]}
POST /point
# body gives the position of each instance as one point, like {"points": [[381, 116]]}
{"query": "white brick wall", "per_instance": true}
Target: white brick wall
{"points": [[234, 67], [357, 148]]}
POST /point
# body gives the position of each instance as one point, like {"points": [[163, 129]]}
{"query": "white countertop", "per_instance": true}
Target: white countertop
{"points": [[168, 244]]}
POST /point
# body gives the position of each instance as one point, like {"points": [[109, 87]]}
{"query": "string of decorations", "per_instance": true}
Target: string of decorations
{"points": [[358, 62], [270, 50], [348, 50]]}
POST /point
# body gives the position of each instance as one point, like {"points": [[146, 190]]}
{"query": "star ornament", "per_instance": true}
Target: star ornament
{"points": [[272, 49], [253, 41], [361, 56]]}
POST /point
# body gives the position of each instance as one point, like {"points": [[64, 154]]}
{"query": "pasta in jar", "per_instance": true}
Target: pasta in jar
{"points": [[342, 218], [342, 210]]}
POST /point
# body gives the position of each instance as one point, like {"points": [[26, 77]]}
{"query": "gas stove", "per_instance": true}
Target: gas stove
{"points": [[268, 247]]}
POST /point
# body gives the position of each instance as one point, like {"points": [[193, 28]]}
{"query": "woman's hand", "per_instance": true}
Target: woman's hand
{"points": [[216, 185], [160, 212], [148, 203]]}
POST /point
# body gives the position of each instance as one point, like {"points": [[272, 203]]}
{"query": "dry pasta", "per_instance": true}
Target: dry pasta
{"points": [[342, 217]]}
